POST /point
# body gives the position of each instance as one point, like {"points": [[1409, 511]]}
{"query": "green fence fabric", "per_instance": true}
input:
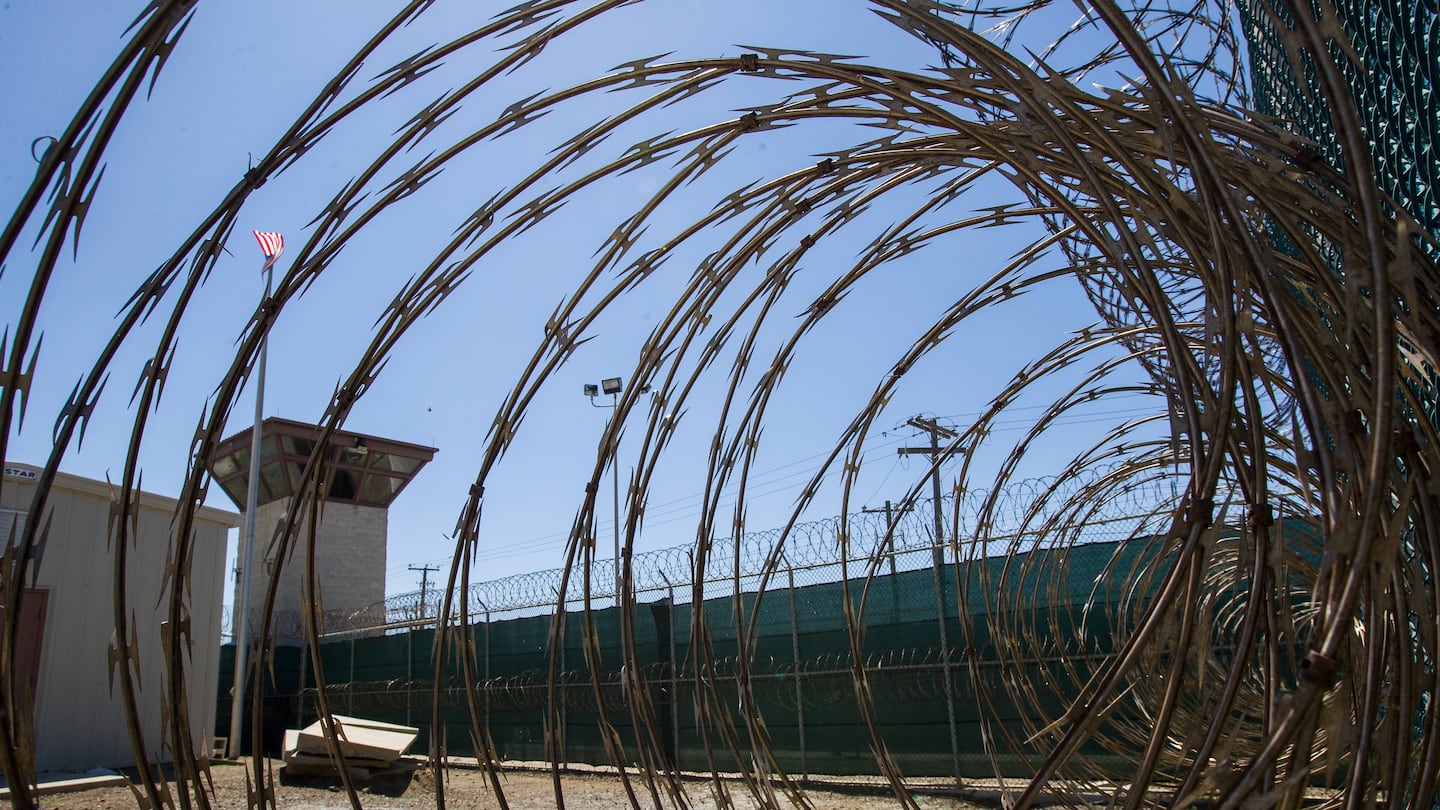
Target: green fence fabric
{"points": [[1020, 636], [800, 662]]}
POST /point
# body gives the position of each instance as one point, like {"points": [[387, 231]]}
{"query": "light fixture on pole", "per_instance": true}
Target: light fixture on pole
{"points": [[611, 386]]}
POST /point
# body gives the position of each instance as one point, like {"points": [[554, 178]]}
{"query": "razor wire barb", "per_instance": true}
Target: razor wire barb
{"points": [[808, 545], [1277, 305]]}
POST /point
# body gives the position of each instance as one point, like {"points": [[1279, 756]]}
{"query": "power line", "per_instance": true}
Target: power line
{"points": [[424, 582], [765, 484]]}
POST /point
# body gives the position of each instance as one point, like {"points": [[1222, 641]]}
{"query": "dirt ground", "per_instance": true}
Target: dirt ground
{"points": [[468, 788]]}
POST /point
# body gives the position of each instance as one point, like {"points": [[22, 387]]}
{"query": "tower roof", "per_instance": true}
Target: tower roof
{"points": [[365, 470]]}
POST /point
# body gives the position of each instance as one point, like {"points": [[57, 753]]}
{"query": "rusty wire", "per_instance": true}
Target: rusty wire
{"points": [[1248, 663], [808, 545]]}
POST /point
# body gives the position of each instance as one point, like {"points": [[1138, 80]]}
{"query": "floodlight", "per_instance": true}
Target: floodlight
{"points": [[610, 385], [592, 390]]}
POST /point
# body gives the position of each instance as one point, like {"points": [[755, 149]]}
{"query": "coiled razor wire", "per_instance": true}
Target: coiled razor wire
{"points": [[1271, 302], [811, 544]]}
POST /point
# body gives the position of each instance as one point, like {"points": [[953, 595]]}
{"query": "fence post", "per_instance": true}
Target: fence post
{"points": [[938, 561], [674, 684], [662, 615], [409, 671], [795, 656], [350, 693], [300, 692], [563, 688], [486, 707], [673, 704]]}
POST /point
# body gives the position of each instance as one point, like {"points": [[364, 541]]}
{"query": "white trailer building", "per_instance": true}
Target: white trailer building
{"points": [[67, 620]]}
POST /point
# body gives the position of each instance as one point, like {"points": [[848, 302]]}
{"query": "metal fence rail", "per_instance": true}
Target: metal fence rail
{"points": [[936, 646]]}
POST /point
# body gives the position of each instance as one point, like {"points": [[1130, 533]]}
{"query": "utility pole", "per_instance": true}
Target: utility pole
{"points": [[889, 531], [933, 451], [424, 584], [937, 558], [889, 528]]}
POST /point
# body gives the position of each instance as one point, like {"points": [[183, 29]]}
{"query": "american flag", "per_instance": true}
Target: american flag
{"points": [[272, 245]]}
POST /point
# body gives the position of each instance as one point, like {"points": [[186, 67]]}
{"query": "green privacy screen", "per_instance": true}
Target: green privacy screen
{"points": [[964, 696]]}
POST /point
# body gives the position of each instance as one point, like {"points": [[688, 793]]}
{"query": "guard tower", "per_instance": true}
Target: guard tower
{"points": [[368, 472]]}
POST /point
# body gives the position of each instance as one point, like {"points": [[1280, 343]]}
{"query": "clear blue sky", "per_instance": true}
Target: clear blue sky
{"points": [[240, 75]]}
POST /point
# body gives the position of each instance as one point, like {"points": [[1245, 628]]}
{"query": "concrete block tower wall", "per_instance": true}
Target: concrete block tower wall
{"points": [[349, 564]]}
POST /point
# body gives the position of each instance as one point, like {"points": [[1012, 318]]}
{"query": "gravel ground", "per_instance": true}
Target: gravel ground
{"points": [[467, 788]]}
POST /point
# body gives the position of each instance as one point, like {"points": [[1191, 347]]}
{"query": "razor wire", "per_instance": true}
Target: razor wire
{"points": [[811, 544], [1276, 302]]}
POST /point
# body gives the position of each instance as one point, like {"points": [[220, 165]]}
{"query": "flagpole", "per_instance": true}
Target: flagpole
{"points": [[247, 551]]}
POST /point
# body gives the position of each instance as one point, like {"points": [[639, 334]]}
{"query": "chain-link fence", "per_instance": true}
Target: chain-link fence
{"points": [[1002, 517], [965, 650]]}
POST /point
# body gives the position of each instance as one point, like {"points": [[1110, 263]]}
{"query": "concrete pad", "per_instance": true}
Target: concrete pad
{"points": [[65, 782]]}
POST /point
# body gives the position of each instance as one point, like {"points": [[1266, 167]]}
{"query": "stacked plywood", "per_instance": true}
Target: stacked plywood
{"points": [[371, 749]]}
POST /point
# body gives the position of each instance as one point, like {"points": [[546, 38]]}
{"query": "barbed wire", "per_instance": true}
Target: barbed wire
{"points": [[811, 544], [1270, 300]]}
